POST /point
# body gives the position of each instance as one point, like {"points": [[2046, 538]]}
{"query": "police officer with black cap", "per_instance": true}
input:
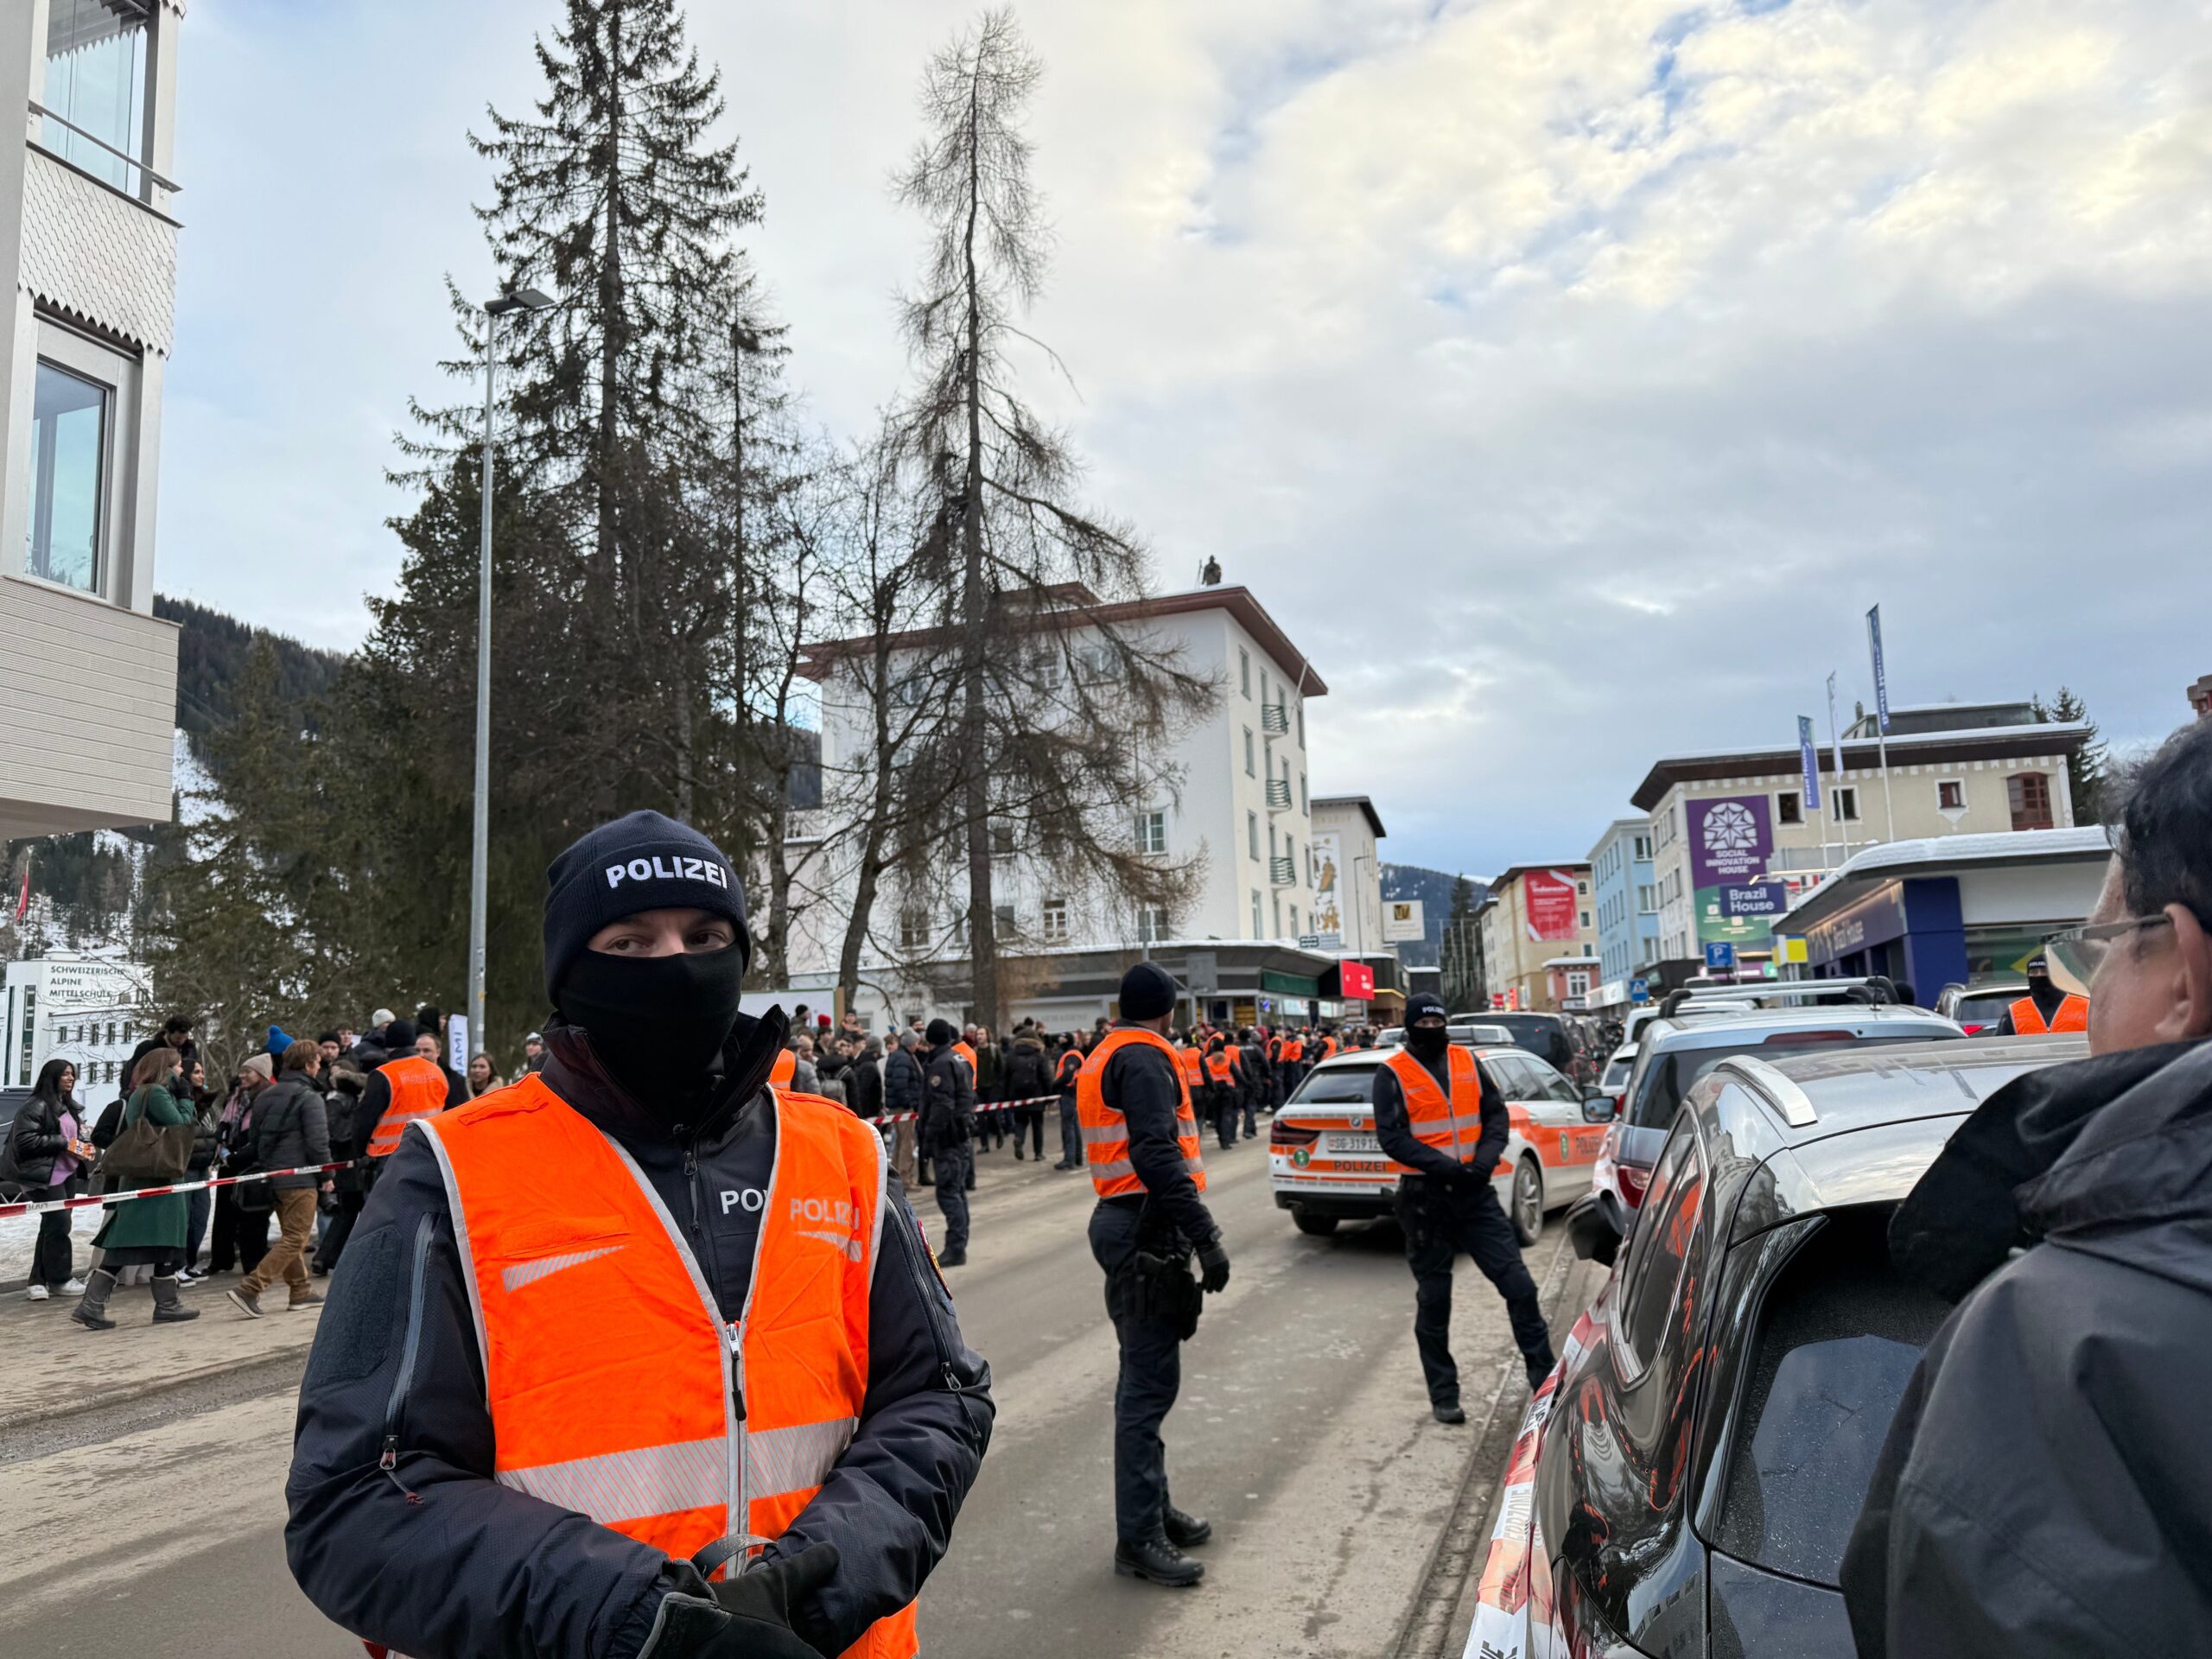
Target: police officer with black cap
{"points": [[1440, 1116], [1141, 1142], [948, 1125]]}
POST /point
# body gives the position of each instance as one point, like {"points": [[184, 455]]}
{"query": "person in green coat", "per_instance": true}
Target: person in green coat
{"points": [[144, 1231]]}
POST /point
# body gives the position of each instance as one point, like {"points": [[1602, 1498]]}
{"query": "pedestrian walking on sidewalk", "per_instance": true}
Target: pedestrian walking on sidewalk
{"points": [[1140, 1141], [143, 1232], [948, 1134], [1443, 1120], [1065, 1071], [1028, 1077], [241, 1213], [47, 1147], [902, 1098], [864, 1080], [291, 1131]]}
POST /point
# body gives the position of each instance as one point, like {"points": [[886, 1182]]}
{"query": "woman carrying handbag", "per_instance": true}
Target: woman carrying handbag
{"points": [[153, 1148]]}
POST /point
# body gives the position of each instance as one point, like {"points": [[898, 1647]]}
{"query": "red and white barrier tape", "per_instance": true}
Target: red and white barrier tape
{"points": [[96, 1198], [995, 1106]]}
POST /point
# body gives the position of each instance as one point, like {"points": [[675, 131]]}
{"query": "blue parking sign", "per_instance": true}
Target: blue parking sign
{"points": [[1639, 990], [1718, 953]]}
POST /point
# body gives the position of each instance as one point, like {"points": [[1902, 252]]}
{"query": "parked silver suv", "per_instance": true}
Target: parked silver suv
{"points": [[1676, 1050]]}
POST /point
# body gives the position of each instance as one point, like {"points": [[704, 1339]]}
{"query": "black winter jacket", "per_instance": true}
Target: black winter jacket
{"points": [[902, 1081], [290, 1130], [864, 1087], [36, 1138], [949, 1101], [1029, 1072], [477, 1570], [2046, 1487]]}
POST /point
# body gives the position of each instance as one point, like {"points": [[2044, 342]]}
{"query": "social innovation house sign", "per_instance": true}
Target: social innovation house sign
{"points": [[1731, 840]]}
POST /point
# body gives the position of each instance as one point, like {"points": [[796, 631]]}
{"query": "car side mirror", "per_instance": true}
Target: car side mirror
{"points": [[1599, 1109], [1596, 1227]]}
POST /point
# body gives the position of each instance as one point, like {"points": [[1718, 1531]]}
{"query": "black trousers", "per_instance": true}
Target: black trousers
{"points": [[1144, 1392], [1440, 1223], [1225, 1120], [1029, 1121], [341, 1229], [241, 1236], [53, 1257], [1071, 1133], [955, 1165]]}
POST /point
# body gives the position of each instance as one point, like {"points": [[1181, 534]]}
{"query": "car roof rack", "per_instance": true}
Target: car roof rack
{"points": [[1794, 1105], [1875, 989]]}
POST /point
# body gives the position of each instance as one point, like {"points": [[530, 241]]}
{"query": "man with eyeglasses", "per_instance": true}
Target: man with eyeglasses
{"points": [[2046, 1486]]}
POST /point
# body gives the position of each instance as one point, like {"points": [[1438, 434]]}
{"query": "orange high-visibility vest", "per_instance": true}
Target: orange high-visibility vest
{"points": [[616, 1389], [1194, 1066], [2028, 1021], [968, 1053], [1070, 1063], [1106, 1132], [1328, 1048], [418, 1089], [1293, 1050], [785, 1068], [1453, 1124], [1220, 1067]]}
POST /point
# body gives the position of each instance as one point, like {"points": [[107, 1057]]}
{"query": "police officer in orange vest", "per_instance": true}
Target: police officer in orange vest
{"points": [[2046, 1009], [405, 1087], [1141, 1141], [1440, 1116], [636, 1358]]}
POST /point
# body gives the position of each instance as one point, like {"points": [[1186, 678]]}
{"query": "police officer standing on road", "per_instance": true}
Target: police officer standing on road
{"points": [[1141, 1141], [1440, 1117], [948, 1128], [636, 1358]]}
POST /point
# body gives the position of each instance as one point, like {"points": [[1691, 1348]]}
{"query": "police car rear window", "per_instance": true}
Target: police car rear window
{"points": [[1336, 1086]]}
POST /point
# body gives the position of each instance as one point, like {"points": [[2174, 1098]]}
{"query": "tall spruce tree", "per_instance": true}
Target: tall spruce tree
{"points": [[1064, 707], [1463, 987]]}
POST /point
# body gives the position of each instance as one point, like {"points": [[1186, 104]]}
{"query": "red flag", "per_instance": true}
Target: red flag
{"points": [[24, 899]]}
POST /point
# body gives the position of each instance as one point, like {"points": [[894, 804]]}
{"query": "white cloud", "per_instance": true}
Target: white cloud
{"points": [[1567, 378]]}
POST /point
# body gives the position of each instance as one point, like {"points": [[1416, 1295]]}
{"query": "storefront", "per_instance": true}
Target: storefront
{"points": [[1950, 910]]}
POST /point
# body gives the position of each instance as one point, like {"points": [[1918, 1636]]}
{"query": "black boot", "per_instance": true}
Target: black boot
{"points": [[91, 1310], [954, 1256], [1540, 1367], [1451, 1413], [1159, 1561], [169, 1306], [1185, 1531]]}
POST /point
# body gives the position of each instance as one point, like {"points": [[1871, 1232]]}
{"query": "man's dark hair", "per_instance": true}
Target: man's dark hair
{"points": [[178, 1022], [2162, 826]]}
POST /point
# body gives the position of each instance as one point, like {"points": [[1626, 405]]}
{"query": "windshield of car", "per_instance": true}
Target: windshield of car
{"points": [[1670, 1074], [1985, 1008], [1616, 1077], [1335, 1086], [1836, 1345]]}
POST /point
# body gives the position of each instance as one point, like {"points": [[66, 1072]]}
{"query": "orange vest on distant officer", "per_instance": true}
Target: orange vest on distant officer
{"points": [[1106, 1132], [1222, 1066], [616, 1389], [966, 1052], [1451, 1123], [2028, 1021], [1293, 1050], [1328, 1048], [418, 1089], [1193, 1061]]}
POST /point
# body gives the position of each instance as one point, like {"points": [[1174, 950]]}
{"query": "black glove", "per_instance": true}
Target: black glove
{"points": [[750, 1615], [1213, 1264]]}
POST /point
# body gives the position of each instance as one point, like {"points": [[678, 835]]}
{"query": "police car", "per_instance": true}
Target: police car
{"points": [[1327, 1164]]}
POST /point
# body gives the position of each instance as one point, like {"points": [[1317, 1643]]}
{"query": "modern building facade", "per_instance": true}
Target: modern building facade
{"points": [[1240, 813], [88, 267], [1539, 936], [1627, 896], [1348, 883], [1735, 845], [81, 1007]]}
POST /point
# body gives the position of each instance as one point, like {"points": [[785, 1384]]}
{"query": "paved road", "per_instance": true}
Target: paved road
{"points": [[1302, 1432]]}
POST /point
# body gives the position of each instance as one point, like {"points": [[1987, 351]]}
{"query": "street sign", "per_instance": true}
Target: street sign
{"points": [[1639, 990], [1808, 758], [1881, 675], [1719, 954], [1403, 921]]}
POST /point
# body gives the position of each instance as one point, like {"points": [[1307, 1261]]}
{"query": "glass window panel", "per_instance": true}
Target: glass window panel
{"points": [[96, 81], [68, 432]]}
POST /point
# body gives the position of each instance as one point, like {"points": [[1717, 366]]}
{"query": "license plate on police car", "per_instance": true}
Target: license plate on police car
{"points": [[1354, 1143]]}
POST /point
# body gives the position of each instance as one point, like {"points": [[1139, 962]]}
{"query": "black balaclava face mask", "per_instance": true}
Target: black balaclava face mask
{"points": [[1427, 1042], [658, 1024]]}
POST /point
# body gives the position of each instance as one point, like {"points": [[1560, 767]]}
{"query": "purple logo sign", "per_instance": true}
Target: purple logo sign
{"points": [[1730, 840]]}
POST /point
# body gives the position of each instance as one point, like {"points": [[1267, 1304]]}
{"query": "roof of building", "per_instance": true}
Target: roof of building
{"points": [[1972, 743], [1374, 818], [1571, 962], [1076, 606], [1617, 826], [1940, 855], [1513, 873]]}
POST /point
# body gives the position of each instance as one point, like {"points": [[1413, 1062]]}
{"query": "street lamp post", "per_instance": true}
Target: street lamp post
{"points": [[528, 299]]}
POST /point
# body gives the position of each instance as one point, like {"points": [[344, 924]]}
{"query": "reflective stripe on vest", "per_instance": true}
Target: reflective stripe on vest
{"points": [[2028, 1021], [1193, 1064], [615, 1388], [418, 1089], [1106, 1133], [1453, 1125]]}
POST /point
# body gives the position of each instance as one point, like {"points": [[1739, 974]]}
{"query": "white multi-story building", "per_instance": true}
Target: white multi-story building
{"points": [[1239, 809], [79, 1005], [88, 271]]}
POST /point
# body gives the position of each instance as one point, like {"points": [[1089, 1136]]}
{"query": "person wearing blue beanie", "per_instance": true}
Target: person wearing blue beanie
{"points": [[277, 1043]]}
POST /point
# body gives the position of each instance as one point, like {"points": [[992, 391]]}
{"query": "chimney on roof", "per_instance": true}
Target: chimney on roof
{"points": [[1210, 577], [2200, 697]]}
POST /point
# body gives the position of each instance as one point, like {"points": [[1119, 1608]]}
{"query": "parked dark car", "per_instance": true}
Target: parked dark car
{"points": [[1701, 1453], [1544, 1035]]}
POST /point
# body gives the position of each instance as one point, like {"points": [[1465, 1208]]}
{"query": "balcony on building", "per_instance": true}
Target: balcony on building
{"points": [[1282, 872], [1278, 794], [1274, 720]]}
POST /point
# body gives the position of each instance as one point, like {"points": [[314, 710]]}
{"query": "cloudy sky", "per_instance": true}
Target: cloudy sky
{"points": [[1566, 376]]}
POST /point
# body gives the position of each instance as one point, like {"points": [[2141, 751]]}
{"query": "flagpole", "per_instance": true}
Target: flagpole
{"points": [[1836, 742], [1881, 713]]}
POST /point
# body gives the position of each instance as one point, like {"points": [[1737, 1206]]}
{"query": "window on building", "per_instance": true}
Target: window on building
{"points": [[1302, 804], [1582, 887], [1577, 983], [1002, 923], [1294, 921], [1244, 671], [1252, 833], [1002, 838], [1586, 921], [1053, 921], [1094, 663], [1152, 922], [96, 81], [1152, 832], [1647, 900], [70, 422], [1951, 794], [1790, 807], [914, 928], [1301, 725], [1259, 931], [1045, 668], [1843, 805], [909, 691], [2029, 794], [1264, 688], [1643, 847], [1251, 765]]}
